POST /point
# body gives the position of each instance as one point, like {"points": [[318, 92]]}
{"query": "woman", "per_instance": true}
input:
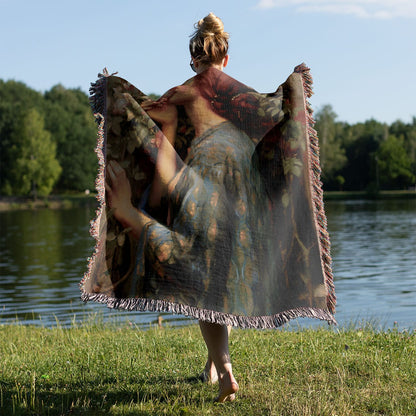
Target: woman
{"points": [[209, 48], [229, 226]]}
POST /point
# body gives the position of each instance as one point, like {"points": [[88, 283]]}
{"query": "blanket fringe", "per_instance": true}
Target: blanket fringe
{"points": [[98, 106], [317, 192], [245, 322]]}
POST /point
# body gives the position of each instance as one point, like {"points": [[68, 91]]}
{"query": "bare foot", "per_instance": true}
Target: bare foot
{"points": [[228, 388], [209, 375]]}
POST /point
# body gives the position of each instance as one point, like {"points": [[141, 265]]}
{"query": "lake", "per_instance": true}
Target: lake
{"points": [[43, 257]]}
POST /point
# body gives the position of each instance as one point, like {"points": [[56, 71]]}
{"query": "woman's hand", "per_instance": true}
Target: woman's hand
{"points": [[161, 111], [180, 94], [119, 199], [164, 110], [119, 192]]}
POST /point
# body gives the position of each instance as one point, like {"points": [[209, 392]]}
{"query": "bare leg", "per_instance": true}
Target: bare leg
{"points": [[209, 374], [216, 339]]}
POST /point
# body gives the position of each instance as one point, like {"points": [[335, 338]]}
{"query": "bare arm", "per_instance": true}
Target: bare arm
{"points": [[119, 199], [165, 168]]}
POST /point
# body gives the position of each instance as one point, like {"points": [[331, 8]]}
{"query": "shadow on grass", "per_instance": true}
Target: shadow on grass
{"points": [[101, 396]]}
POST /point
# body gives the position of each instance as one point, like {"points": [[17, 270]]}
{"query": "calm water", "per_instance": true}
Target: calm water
{"points": [[43, 257]]}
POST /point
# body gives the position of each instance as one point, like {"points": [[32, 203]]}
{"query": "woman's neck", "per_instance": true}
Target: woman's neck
{"points": [[203, 67]]}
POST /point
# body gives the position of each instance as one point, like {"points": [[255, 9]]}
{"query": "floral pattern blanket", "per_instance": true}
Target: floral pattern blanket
{"points": [[241, 239]]}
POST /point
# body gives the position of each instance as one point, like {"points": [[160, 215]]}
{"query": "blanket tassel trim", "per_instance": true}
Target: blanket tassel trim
{"points": [[317, 192], [98, 104]]}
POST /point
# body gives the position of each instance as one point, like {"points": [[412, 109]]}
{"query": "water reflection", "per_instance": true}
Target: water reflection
{"points": [[374, 252], [43, 257]]}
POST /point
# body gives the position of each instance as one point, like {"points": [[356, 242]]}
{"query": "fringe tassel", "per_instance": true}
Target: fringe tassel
{"points": [[98, 106], [316, 186], [255, 322]]}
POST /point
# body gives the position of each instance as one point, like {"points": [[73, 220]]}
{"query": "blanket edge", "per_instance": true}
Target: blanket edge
{"points": [[316, 188]]}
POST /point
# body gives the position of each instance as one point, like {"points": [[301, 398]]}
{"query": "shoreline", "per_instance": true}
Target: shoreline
{"points": [[67, 201], [61, 201], [364, 195]]}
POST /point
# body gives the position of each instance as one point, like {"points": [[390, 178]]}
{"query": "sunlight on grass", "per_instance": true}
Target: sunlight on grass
{"points": [[118, 369]]}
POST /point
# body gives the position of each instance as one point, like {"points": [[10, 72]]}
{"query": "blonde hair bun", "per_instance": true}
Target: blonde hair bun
{"points": [[209, 42], [211, 25]]}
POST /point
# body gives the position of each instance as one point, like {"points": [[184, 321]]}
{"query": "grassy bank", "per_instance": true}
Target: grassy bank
{"points": [[74, 200], [344, 195], [63, 201], [107, 370]]}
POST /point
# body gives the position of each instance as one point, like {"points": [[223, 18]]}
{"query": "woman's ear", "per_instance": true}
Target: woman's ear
{"points": [[225, 61]]}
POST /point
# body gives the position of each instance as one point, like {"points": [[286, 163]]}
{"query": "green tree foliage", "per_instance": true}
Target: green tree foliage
{"points": [[8, 123], [153, 96], [332, 154], [34, 168], [71, 123], [15, 92], [394, 164], [407, 133], [57, 129], [364, 140], [15, 99], [68, 119], [366, 156]]}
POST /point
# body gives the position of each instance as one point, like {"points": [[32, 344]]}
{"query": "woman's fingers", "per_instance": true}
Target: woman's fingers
{"points": [[147, 104], [114, 171], [154, 104], [168, 94], [116, 168], [107, 187], [110, 171]]}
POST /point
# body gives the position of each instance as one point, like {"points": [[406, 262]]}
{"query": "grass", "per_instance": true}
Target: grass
{"points": [[104, 369]]}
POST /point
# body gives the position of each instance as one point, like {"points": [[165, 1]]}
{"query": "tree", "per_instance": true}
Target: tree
{"points": [[15, 98], [408, 134], [362, 141], [15, 92], [35, 168], [71, 123], [394, 164], [8, 123], [43, 134], [153, 96], [332, 154]]}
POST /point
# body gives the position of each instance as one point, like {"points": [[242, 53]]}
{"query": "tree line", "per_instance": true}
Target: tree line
{"points": [[47, 143], [367, 156], [47, 140]]}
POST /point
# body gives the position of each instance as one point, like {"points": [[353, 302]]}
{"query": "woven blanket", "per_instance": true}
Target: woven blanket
{"points": [[241, 237]]}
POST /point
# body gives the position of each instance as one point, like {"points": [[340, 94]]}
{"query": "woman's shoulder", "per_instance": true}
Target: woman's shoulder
{"points": [[181, 93], [189, 82]]}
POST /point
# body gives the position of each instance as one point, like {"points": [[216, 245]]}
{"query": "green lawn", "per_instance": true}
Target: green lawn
{"points": [[104, 369]]}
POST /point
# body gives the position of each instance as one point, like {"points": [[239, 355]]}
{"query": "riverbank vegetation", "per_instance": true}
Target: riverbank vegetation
{"points": [[67, 201], [47, 143], [108, 369]]}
